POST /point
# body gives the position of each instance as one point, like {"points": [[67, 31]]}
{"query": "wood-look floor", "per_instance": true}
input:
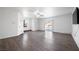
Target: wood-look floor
{"points": [[39, 41]]}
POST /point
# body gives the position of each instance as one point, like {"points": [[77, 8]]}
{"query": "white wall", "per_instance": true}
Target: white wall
{"points": [[20, 23], [63, 23], [35, 24], [8, 22], [75, 33]]}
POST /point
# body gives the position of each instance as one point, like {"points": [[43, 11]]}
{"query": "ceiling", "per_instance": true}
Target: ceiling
{"points": [[46, 11]]}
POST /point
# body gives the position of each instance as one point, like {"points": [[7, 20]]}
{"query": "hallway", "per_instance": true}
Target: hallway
{"points": [[39, 41]]}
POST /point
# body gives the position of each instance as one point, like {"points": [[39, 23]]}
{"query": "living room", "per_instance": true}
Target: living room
{"points": [[38, 29]]}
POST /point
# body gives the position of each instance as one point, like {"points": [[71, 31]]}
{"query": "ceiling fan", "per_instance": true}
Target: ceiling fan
{"points": [[38, 14]]}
